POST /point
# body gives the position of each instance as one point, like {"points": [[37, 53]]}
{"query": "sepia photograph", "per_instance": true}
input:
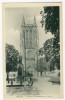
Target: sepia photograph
{"points": [[32, 50]]}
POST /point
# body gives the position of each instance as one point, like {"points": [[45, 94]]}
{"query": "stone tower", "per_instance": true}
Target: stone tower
{"points": [[29, 45]]}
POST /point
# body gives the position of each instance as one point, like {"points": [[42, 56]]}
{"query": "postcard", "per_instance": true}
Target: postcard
{"points": [[32, 51]]}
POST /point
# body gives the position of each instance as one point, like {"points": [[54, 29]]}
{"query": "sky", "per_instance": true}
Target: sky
{"points": [[13, 22]]}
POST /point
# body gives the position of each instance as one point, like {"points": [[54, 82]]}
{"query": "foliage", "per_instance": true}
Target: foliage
{"points": [[51, 17], [11, 57], [52, 54], [52, 47]]}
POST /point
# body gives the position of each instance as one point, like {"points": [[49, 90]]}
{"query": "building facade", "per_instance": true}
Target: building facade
{"points": [[29, 45]]}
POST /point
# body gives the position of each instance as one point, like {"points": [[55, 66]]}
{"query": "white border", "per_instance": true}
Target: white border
{"points": [[32, 0], [63, 18], [1, 67], [63, 43]]}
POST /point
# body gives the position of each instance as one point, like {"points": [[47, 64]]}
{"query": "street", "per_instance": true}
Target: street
{"points": [[41, 86]]}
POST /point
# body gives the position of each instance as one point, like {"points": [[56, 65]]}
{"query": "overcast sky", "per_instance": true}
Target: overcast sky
{"points": [[13, 22]]}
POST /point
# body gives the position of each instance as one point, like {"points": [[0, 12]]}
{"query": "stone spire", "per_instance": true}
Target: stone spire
{"points": [[23, 21], [34, 23]]}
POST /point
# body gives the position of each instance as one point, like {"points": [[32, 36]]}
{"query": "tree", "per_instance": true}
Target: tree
{"points": [[51, 19], [51, 54], [11, 58]]}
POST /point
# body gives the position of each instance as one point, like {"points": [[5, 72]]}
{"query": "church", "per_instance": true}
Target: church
{"points": [[29, 45]]}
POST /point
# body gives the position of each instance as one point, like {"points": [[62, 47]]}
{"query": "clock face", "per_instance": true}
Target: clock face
{"points": [[30, 53]]}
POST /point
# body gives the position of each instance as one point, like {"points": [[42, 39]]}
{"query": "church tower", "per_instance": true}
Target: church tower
{"points": [[29, 44]]}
